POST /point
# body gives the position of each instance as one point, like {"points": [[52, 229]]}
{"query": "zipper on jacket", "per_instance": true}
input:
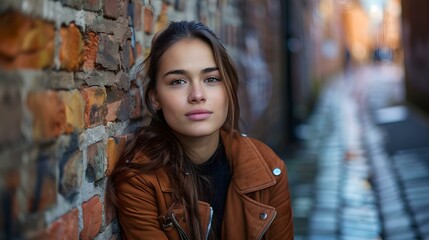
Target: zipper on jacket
{"points": [[268, 225], [210, 223], [182, 233]]}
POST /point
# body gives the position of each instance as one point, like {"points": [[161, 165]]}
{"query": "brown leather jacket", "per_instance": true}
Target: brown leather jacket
{"points": [[257, 205]]}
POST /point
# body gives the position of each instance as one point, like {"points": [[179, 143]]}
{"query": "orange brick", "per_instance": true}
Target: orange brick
{"points": [[139, 50], [92, 218], [26, 42], [74, 106], [115, 146], [148, 20], [163, 19], [90, 51], [112, 111], [13, 28], [71, 47], [138, 5], [49, 114], [95, 106], [41, 188], [66, 227]]}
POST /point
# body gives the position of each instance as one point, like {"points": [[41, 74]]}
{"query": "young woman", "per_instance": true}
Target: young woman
{"points": [[189, 174]]}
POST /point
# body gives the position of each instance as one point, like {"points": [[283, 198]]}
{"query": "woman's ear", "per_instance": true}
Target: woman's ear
{"points": [[154, 100]]}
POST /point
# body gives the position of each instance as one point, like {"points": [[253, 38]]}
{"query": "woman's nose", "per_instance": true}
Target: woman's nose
{"points": [[197, 94]]}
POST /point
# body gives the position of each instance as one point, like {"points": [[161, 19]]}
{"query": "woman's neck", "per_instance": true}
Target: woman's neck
{"points": [[201, 148]]}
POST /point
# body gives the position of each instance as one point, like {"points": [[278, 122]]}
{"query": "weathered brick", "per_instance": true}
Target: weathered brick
{"points": [[77, 4], [93, 78], [138, 6], [112, 110], [71, 47], [48, 113], [115, 146], [40, 35], [66, 227], [122, 80], [25, 42], [135, 103], [123, 9], [90, 51], [92, 218], [92, 5], [40, 186], [71, 168], [119, 110], [123, 113], [74, 106], [60, 80], [121, 30], [13, 27], [108, 52], [127, 56], [163, 19], [114, 94], [95, 106], [148, 20], [111, 8], [10, 106], [96, 155], [139, 50]]}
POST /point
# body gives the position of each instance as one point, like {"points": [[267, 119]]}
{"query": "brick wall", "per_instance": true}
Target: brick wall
{"points": [[69, 98]]}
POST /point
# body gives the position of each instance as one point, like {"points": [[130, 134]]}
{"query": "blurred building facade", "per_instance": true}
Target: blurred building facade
{"points": [[415, 37], [72, 97]]}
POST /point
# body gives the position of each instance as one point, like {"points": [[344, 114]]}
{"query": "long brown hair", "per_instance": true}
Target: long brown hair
{"points": [[157, 141]]}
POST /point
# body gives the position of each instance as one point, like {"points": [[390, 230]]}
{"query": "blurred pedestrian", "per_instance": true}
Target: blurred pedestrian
{"points": [[189, 174]]}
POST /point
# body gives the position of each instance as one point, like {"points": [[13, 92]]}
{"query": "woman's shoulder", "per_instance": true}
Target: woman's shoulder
{"points": [[135, 175], [261, 147]]}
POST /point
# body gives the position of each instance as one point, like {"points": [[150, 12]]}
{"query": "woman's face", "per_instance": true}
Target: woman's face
{"points": [[189, 90]]}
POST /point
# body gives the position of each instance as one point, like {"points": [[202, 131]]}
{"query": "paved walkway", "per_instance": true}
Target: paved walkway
{"points": [[355, 177]]}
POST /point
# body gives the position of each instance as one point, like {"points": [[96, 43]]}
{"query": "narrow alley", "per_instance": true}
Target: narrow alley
{"points": [[363, 171]]}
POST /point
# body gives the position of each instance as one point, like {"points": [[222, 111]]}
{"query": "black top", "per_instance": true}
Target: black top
{"points": [[218, 172]]}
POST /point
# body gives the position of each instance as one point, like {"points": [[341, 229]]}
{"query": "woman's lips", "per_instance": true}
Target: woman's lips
{"points": [[199, 114]]}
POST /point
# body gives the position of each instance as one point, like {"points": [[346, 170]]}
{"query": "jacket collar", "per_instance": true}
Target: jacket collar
{"points": [[250, 171]]}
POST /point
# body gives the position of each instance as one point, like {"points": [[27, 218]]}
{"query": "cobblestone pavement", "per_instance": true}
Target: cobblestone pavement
{"points": [[355, 176]]}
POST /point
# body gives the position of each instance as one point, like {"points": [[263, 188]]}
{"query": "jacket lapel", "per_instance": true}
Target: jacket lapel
{"points": [[250, 171]]}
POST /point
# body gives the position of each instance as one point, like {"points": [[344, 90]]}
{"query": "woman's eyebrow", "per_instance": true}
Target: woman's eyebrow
{"points": [[184, 72], [210, 69], [176, 71]]}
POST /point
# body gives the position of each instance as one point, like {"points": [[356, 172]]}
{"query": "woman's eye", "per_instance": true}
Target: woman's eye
{"points": [[212, 80], [177, 82]]}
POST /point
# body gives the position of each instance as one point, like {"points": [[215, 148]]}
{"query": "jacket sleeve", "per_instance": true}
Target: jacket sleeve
{"points": [[282, 226], [138, 210]]}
